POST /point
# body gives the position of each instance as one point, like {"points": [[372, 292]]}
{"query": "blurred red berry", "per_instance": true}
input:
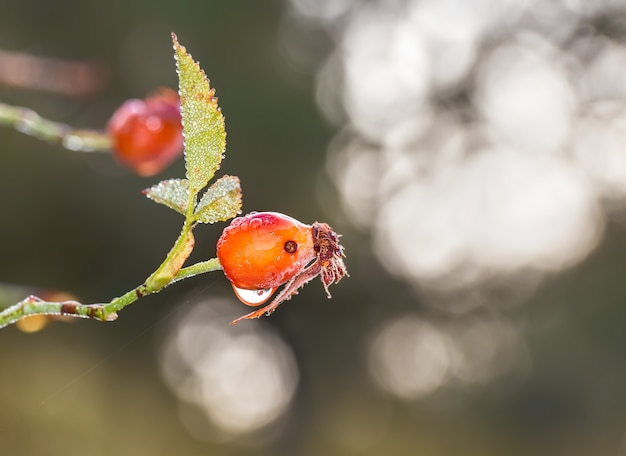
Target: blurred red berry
{"points": [[261, 251], [148, 134]]}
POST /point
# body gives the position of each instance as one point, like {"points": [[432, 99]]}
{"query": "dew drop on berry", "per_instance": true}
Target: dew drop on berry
{"points": [[253, 297], [154, 124], [255, 223]]}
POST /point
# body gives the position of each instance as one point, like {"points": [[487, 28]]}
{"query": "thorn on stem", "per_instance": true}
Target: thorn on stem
{"points": [[69, 307]]}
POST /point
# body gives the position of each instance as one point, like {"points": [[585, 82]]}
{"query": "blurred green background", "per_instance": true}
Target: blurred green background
{"points": [[521, 358]]}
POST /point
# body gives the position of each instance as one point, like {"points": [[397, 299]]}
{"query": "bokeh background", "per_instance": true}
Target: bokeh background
{"points": [[471, 152]]}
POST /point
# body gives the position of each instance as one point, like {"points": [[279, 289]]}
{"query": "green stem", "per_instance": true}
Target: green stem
{"points": [[33, 305], [29, 122], [199, 268], [174, 261]]}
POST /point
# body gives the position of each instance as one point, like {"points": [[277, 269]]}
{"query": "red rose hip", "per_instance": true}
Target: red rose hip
{"points": [[148, 134], [262, 251]]}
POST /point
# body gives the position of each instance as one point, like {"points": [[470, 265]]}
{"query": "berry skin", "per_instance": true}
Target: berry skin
{"points": [[148, 134], [262, 251]]}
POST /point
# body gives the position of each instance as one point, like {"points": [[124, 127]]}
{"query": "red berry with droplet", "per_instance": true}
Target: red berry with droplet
{"points": [[148, 134], [262, 251]]}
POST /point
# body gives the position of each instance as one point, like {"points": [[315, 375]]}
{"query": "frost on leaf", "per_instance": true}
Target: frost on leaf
{"points": [[203, 122], [221, 201], [173, 193]]}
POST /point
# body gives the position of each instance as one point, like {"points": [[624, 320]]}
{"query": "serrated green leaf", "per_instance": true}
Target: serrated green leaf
{"points": [[221, 201], [203, 122], [173, 193]]}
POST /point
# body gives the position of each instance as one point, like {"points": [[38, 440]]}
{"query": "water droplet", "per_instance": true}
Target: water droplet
{"points": [[154, 124], [253, 297], [73, 142], [256, 223]]}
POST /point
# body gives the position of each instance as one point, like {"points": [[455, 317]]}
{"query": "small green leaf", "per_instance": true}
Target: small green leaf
{"points": [[203, 122], [221, 201], [173, 193]]}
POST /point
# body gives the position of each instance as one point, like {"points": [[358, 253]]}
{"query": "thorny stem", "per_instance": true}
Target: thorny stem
{"points": [[33, 305], [29, 122]]}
